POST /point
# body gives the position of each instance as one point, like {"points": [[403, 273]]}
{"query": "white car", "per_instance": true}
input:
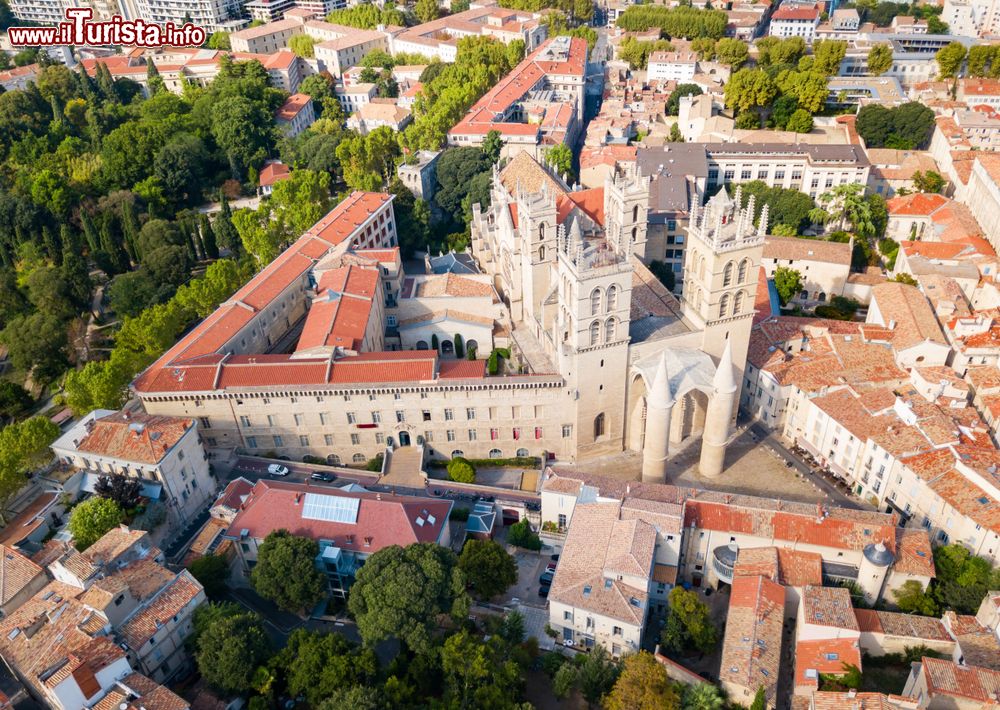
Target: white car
{"points": [[276, 469]]}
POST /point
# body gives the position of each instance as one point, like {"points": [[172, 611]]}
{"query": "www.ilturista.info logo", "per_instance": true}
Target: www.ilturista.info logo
{"points": [[79, 30]]}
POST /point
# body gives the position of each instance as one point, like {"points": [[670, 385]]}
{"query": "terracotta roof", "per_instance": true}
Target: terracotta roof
{"points": [[914, 319], [798, 249], [824, 656], [292, 107], [525, 172], [918, 203], [137, 692], [828, 606], [16, 573], [339, 315], [799, 568], [751, 648], [901, 625], [168, 602], [946, 678], [795, 13], [913, 553], [233, 495], [381, 519], [28, 520], [980, 646], [136, 437], [455, 285], [272, 173], [853, 700], [83, 664]]}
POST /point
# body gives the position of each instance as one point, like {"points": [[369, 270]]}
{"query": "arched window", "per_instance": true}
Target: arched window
{"points": [[612, 297], [456, 453], [738, 303], [541, 253], [333, 460], [541, 231], [727, 274], [522, 453], [697, 298], [635, 233], [635, 216], [701, 267], [496, 454], [744, 270], [359, 458], [609, 330], [595, 301], [599, 426], [724, 305], [595, 333]]}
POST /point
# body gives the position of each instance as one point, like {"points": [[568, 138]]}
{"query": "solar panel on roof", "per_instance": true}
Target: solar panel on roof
{"points": [[330, 509]]}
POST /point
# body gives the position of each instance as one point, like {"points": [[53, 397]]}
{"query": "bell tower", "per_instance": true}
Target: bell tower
{"points": [[536, 227], [626, 203], [722, 264]]}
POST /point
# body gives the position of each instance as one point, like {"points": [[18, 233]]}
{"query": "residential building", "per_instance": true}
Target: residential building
{"points": [[439, 38], [274, 171], [672, 66], [353, 97], [824, 266], [917, 338], [940, 683], [18, 77], [265, 39], [538, 104], [295, 115], [349, 525], [379, 113], [137, 692], [894, 170], [751, 648], [20, 579], [884, 632], [165, 453], [983, 195], [795, 21]]}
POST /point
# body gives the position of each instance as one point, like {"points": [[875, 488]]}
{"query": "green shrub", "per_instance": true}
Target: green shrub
{"points": [[375, 464], [459, 514], [461, 471], [459, 346], [513, 462], [520, 535]]}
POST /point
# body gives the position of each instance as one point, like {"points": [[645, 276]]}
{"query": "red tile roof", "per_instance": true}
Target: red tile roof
{"points": [[272, 173], [825, 656], [138, 437], [382, 519], [795, 13], [292, 107]]}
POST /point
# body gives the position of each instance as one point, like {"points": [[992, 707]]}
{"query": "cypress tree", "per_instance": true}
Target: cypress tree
{"points": [[52, 246], [57, 109], [226, 235], [208, 237], [130, 231], [111, 244], [87, 88], [106, 83], [75, 275], [89, 233]]}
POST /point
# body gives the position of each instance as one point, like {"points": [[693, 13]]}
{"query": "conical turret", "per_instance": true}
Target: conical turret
{"points": [[725, 380]]}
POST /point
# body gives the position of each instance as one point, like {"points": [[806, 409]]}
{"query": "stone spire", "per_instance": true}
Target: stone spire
{"points": [[724, 381], [660, 396]]}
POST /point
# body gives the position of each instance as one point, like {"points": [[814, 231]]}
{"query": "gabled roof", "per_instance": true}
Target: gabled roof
{"points": [[134, 436], [16, 573]]}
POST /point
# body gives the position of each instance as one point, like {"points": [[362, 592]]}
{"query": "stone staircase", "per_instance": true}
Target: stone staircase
{"points": [[404, 467]]}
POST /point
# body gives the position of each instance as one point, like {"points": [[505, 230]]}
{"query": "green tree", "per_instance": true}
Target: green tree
{"points": [[800, 122], [478, 674], [827, 56], [688, 624], [455, 170], [949, 59], [643, 685], [286, 571], [732, 52], [426, 10], [219, 40], [212, 571], [847, 204], [597, 674], [560, 157], [520, 535], [401, 591], [487, 567], [230, 650], [929, 181], [808, 88], [759, 700], [359, 697], [302, 45], [459, 469], [682, 90], [37, 344], [912, 599], [492, 146], [243, 130], [90, 520], [748, 121], [703, 696], [317, 665], [749, 88], [23, 446], [879, 59], [14, 399], [788, 283]]}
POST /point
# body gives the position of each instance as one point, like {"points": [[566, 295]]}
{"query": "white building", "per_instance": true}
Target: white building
{"points": [[296, 114], [165, 453], [795, 21], [672, 66]]}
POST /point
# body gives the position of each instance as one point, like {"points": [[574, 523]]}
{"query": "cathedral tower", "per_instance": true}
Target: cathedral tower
{"points": [[626, 202]]}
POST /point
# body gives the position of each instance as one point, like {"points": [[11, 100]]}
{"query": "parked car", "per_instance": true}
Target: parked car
{"points": [[276, 469], [323, 476], [546, 577], [543, 591], [555, 557], [551, 567]]}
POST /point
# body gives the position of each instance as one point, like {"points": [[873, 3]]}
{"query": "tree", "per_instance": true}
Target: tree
{"points": [[560, 157], [689, 624], [911, 598], [426, 10], [788, 283], [230, 649], [123, 490], [703, 696], [808, 88], [317, 665], [749, 88], [487, 567], [478, 674], [732, 52], [219, 40], [759, 700], [401, 591], [492, 146], [37, 344], [212, 572], [800, 122], [827, 56], [243, 130], [90, 520], [962, 579], [682, 90], [949, 59], [14, 399], [748, 121], [302, 45], [455, 170], [705, 47], [459, 469], [597, 674], [675, 134], [879, 59], [286, 571], [359, 697], [643, 685], [847, 203], [23, 446], [904, 127], [929, 181], [520, 535]]}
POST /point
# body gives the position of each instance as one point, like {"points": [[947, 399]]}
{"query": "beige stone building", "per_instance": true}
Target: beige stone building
{"points": [[824, 266]]}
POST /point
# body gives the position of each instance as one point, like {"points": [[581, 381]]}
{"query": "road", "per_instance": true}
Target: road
{"points": [[836, 496]]}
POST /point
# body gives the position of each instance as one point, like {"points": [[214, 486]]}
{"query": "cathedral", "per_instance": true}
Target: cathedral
{"points": [[644, 371]]}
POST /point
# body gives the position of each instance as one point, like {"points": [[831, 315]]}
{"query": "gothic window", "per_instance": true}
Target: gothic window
{"points": [[599, 426], [724, 305], [738, 303], [697, 298], [609, 330], [595, 301], [612, 297], [541, 253], [727, 274], [635, 215], [744, 269], [595, 333], [701, 267], [541, 231], [635, 234]]}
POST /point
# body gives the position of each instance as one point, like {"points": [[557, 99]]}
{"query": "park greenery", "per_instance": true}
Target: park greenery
{"points": [[904, 127], [92, 518], [286, 573], [487, 567], [682, 21], [962, 580]]}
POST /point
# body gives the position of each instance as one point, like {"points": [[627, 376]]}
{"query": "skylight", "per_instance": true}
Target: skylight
{"points": [[330, 509]]}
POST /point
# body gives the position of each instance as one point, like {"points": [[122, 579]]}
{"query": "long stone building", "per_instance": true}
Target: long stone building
{"points": [[309, 358]]}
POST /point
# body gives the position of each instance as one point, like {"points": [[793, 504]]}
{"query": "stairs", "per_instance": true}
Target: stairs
{"points": [[404, 467]]}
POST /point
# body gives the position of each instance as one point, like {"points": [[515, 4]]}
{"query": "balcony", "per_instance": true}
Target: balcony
{"points": [[724, 560]]}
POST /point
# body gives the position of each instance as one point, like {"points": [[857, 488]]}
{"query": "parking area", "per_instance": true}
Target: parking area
{"points": [[530, 566]]}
